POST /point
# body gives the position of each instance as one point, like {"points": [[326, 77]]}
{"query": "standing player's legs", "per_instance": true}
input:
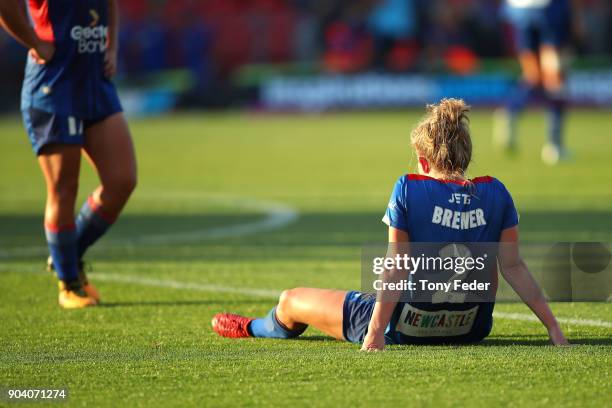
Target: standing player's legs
{"points": [[296, 310], [109, 149]]}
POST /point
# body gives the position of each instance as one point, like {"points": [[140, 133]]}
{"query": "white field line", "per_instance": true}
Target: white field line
{"points": [[532, 318], [194, 286], [271, 293], [276, 216]]}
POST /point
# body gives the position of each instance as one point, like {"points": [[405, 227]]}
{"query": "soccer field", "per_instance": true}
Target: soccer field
{"points": [[232, 208]]}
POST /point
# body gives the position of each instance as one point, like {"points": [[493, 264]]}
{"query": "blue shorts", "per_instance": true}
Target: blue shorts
{"points": [[356, 314], [536, 27], [358, 308], [46, 128]]}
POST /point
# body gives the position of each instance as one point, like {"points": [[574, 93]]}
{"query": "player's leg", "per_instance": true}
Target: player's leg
{"points": [[553, 78], [301, 307], [109, 149], [57, 139], [526, 90], [296, 310], [530, 84], [553, 83], [554, 36], [530, 68], [60, 164]]}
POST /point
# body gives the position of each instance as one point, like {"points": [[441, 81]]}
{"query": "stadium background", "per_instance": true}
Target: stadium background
{"points": [[235, 204], [258, 53]]}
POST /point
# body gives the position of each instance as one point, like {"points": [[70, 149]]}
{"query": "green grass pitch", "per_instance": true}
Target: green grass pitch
{"points": [[307, 191]]}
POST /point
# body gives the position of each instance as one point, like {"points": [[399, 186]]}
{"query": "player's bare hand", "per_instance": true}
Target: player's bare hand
{"points": [[43, 52], [110, 62], [373, 342]]}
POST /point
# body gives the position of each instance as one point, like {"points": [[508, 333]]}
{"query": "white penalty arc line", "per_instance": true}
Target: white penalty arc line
{"points": [[273, 294], [276, 216]]}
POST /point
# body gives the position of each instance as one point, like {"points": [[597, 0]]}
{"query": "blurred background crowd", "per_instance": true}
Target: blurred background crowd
{"points": [[216, 39]]}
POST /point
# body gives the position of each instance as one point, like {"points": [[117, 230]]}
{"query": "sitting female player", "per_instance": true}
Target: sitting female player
{"points": [[443, 146], [70, 106]]}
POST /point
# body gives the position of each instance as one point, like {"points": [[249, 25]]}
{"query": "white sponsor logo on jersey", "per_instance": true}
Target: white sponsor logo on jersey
{"points": [[422, 323], [92, 38]]}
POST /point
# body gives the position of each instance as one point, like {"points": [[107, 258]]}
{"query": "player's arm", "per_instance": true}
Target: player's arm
{"points": [[112, 46], [14, 20], [515, 272], [383, 309]]}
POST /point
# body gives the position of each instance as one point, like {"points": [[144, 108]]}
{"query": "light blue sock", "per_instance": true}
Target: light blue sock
{"points": [[270, 327]]}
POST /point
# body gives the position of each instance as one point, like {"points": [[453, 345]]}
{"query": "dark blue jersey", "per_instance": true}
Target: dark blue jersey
{"points": [[72, 83]]}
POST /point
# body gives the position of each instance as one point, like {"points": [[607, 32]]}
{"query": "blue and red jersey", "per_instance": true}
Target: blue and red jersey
{"points": [[439, 211], [432, 210], [72, 83]]}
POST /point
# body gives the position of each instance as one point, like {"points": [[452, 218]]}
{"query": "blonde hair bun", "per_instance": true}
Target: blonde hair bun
{"points": [[443, 137]]}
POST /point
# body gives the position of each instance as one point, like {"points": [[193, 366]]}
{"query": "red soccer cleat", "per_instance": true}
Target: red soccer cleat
{"points": [[231, 325]]}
